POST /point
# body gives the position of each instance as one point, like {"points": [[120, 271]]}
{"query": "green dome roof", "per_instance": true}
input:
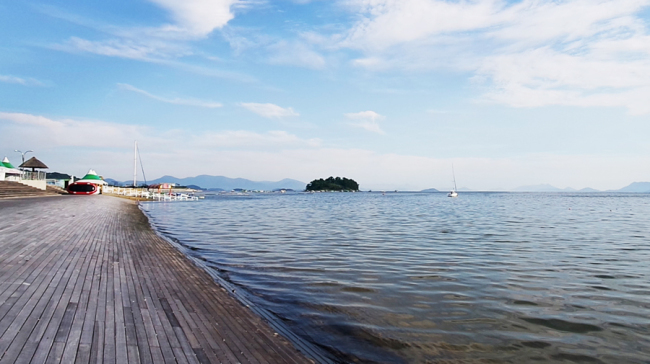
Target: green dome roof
{"points": [[5, 163], [92, 176]]}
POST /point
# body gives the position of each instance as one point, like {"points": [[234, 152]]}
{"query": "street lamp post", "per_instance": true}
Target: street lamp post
{"points": [[23, 153]]}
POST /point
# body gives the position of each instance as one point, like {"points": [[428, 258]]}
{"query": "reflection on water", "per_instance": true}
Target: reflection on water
{"points": [[420, 278]]}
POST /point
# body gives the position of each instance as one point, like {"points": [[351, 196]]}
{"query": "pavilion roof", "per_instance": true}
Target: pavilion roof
{"points": [[33, 163]]}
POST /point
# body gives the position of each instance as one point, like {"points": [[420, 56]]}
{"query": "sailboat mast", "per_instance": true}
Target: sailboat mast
{"points": [[454, 174], [135, 163]]}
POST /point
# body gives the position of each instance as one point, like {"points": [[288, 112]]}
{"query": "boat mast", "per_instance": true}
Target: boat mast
{"points": [[454, 174], [135, 163]]}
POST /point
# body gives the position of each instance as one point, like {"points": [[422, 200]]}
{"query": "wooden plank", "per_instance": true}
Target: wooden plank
{"points": [[21, 284], [66, 323], [133, 354], [120, 326], [48, 349], [109, 328], [80, 297], [55, 354], [27, 318], [128, 297], [91, 310], [83, 354], [96, 349], [35, 338], [26, 339], [57, 305], [142, 343]]}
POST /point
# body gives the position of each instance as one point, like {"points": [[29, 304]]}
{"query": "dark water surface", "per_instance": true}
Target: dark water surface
{"points": [[486, 277]]}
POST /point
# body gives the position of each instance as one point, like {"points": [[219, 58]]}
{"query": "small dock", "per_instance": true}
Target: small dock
{"points": [[84, 279]]}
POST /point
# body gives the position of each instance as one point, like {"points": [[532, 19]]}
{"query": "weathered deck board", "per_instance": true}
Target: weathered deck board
{"points": [[85, 280]]}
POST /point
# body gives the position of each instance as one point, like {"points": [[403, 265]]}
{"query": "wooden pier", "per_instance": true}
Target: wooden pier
{"points": [[83, 279]]}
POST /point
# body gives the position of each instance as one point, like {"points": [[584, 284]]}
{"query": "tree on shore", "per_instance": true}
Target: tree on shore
{"points": [[333, 184]]}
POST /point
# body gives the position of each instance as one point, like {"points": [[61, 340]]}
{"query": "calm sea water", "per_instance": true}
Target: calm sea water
{"points": [[411, 277]]}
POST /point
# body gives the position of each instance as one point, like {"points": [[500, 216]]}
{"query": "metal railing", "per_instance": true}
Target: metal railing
{"points": [[33, 176]]}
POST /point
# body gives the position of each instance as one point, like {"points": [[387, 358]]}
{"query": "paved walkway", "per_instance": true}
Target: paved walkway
{"points": [[83, 279]]}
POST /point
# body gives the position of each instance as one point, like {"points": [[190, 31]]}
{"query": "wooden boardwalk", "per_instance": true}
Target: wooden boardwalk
{"points": [[83, 279]]}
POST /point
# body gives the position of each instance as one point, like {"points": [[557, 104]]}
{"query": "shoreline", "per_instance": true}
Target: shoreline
{"points": [[87, 279], [268, 317]]}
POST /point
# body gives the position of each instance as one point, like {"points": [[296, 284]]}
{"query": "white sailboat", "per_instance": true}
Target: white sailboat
{"points": [[453, 192]]}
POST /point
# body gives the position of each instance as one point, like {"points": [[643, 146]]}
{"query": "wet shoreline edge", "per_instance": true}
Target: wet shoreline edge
{"points": [[274, 322]]}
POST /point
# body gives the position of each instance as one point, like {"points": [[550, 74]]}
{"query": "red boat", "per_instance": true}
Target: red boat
{"points": [[83, 188]]}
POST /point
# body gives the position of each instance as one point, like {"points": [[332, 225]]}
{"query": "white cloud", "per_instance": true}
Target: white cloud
{"points": [[49, 132], [165, 44], [199, 17], [43, 131], [29, 119], [366, 120], [144, 49], [529, 53], [175, 101], [76, 145], [12, 79], [20, 81], [547, 77], [296, 54], [252, 140], [385, 23], [307, 50], [535, 22], [270, 111]]}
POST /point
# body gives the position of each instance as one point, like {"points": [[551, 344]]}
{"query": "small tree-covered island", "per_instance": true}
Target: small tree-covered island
{"points": [[333, 184]]}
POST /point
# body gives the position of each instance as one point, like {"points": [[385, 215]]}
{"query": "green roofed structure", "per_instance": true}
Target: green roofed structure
{"points": [[8, 172], [5, 163], [92, 177]]}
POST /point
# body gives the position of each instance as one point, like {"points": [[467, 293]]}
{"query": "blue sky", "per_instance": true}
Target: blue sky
{"points": [[388, 92]]}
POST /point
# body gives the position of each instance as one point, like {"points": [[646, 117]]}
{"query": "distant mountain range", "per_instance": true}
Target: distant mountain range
{"points": [[544, 188], [445, 190], [221, 183], [639, 187], [636, 187]]}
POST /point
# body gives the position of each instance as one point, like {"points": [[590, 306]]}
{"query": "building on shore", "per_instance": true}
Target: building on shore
{"points": [[60, 180], [8, 172]]}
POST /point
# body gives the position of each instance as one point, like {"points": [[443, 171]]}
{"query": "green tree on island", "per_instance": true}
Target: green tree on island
{"points": [[333, 184]]}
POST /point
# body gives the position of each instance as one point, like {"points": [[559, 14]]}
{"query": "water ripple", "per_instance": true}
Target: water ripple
{"points": [[486, 277]]}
